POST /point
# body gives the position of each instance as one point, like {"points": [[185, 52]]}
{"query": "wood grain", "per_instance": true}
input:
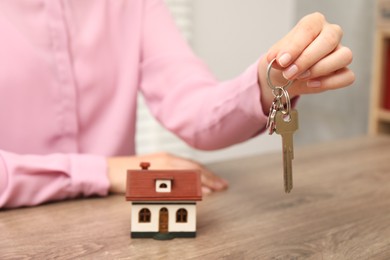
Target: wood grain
{"points": [[339, 209]]}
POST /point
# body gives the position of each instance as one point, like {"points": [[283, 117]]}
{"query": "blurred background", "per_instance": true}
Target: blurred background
{"points": [[230, 35]]}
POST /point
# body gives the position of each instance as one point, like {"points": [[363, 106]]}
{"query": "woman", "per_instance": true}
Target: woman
{"points": [[71, 72]]}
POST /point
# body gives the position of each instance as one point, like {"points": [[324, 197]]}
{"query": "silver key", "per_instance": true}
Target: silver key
{"points": [[286, 128]]}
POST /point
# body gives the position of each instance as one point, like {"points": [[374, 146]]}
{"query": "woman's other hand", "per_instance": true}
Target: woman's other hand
{"points": [[118, 166]]}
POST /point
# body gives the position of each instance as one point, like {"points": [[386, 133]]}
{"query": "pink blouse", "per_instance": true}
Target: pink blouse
{"points": [[70, 73]]}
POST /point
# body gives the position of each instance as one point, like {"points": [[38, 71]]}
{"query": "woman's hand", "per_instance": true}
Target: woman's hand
{"points": [[118, 167], [312, 55]]}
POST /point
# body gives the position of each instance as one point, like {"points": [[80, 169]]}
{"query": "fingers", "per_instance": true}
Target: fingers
{"points": [[163, 161], [312, 39], [321, 47], [311, 53], [337, 60], [289, 48], [212, 182], [331, 72], [206, 190], [338, 79]]}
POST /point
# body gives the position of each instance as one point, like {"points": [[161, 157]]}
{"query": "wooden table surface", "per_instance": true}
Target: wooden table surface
{"points": [[339, 209]]}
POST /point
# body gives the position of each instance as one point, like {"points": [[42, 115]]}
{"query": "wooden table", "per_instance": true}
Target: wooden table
{"points": [[339, 209]]}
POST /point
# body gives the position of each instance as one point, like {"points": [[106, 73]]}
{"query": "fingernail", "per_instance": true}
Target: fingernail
{"points": [[305, 74], [218, 185], [206, 190], [314, 83], [290, 71], [284, 60]]}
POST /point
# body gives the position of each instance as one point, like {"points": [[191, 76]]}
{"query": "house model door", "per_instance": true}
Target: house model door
{"points": [[163, 225]]}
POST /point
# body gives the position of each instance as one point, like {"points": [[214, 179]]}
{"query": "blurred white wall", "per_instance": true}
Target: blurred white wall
{"points": [[229, 35]]}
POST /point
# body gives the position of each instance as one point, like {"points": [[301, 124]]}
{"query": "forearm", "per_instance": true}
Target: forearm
{"points": [[34, 179], [207, 114]]}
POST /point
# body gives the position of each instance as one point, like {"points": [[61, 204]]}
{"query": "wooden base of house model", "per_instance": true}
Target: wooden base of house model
{"points": [[163, 202]]}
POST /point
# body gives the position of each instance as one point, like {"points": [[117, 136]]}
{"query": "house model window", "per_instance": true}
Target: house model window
{"points": [[163, 185], [181, 216], [144, 216]]}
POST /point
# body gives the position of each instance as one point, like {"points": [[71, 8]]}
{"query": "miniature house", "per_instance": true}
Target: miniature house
{"points": [[163, 202]]}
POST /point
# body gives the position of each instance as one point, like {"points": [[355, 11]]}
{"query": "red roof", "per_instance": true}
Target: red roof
{"points": [[141, 185]]}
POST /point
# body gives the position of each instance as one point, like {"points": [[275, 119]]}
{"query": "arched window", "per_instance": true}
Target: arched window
{"points": [[163, 185], [144, 215], [181, 215]]}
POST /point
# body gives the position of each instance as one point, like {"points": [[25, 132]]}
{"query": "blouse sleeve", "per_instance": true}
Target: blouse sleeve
{"points": [[27, 180], [185, 97]]}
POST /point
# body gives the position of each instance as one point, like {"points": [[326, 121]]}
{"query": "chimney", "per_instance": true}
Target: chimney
{"points": [[144, 165]]}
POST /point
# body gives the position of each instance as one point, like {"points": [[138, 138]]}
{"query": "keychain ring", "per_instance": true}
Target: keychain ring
{"points": [[287, 110], [270, 84], [278, 92]]}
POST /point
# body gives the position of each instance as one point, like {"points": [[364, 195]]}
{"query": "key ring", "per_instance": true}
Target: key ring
{"points": [[288, 103], [270, 84], [285, 109]]}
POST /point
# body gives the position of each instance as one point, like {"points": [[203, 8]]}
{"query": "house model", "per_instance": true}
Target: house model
{"points": [[163, 202]]}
